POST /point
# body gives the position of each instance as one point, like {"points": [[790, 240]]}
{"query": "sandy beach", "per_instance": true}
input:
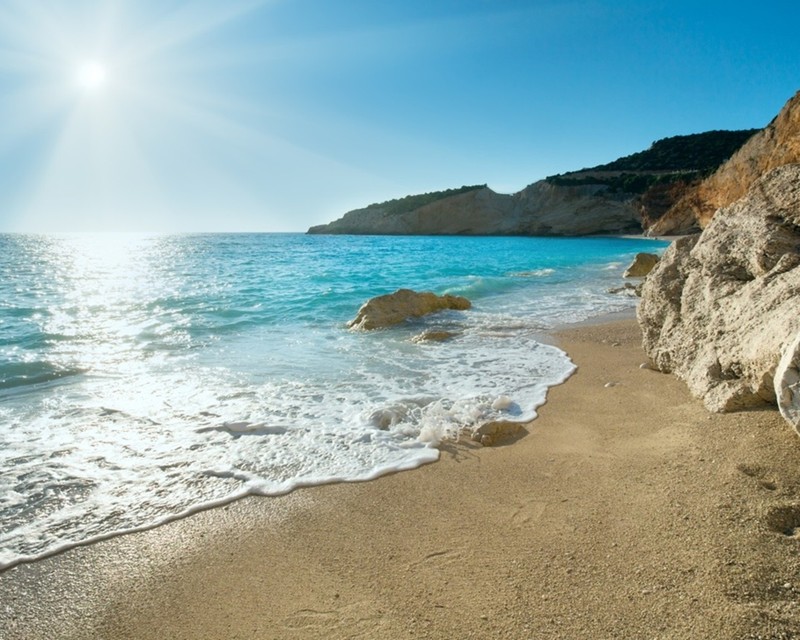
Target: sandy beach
{"points": [[625, 510]]}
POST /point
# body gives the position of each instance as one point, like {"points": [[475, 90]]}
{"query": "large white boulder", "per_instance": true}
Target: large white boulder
{"points": [[721, 308], [787, 384]]}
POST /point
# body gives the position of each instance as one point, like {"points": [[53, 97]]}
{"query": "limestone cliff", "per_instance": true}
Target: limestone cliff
{"points": [[539, 209], [611, 198], [721, 308], [776, 145], [473, 212]]}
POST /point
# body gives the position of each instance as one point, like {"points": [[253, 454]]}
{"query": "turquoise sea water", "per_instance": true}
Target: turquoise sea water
{"points": [[145, 377]]}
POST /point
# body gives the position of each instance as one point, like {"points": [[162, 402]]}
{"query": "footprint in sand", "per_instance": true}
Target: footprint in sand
{"points": [[357, 620], [759, 473], [438, 558], [528, 512], [785, 520]]}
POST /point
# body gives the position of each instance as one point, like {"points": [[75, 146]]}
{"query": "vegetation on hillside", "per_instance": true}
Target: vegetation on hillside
{"points": [[409, 203], [667, 160], [695, 152], [634, 183]]}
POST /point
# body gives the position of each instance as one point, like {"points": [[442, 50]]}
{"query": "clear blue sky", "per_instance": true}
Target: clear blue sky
{"points": [[273, 115]]}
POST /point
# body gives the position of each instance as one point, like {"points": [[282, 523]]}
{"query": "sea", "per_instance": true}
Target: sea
{"points": [[146, 377]]}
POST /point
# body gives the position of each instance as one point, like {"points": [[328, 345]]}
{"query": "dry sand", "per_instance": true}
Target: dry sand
{"points": [[625, 511]]}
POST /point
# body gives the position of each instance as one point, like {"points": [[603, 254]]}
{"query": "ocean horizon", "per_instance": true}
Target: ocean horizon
{"points": [[145, 377]]}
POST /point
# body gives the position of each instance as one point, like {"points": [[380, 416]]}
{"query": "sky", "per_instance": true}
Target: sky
{"points": [[275, 115]]}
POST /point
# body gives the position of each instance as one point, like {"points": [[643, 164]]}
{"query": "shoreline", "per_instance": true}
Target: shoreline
{"points": [[625, 510]]}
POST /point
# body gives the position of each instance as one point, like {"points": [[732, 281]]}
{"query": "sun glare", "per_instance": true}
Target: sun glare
{"points": [[91, 75]]}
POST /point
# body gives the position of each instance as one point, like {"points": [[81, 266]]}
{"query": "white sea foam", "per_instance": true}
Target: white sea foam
{"points": [[200, 438], [192, 391], [534, 273]]}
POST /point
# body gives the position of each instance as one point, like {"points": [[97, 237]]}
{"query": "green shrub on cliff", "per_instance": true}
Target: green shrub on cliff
{"points": [[695, 152], [625, 182], [667, 160], [409, 203]]}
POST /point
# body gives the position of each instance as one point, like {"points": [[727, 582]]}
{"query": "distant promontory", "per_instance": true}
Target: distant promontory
{"points": [[628, 195]]}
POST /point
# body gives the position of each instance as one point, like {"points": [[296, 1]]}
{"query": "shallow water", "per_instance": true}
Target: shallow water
{"points": [[144, 377]]}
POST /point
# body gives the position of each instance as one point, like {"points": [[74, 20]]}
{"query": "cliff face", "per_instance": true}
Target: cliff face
{"points": [[539, 209], [471, 213], [721, 308], [547, 209], [776, 145], [659, 199], [618, 197]]}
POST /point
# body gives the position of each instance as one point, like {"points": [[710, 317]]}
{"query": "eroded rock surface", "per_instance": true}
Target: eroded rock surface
{"points": [[394, 308], [787, 384], [539, 209], [720, 308], [776, 145]]}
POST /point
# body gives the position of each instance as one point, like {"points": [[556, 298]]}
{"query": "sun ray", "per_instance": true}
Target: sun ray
{"points": [[184, 24], [132, 113], [97, 176]]}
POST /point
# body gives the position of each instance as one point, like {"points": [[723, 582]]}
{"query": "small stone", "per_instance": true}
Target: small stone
{"points": [[490, 432], [429, 335], [608, 385]]}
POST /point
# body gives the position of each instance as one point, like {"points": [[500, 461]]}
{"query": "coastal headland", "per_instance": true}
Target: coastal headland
{"points": [[625, 510]]}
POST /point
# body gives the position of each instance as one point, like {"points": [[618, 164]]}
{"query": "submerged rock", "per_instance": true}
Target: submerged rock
{"points": [[642, 264], [787, 384], [394, 308], [628, 289], [430, 335], [490, 433], [720, 308]]}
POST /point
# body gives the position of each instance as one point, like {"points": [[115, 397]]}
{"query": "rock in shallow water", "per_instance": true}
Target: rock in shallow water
{"points": [[394, 308], [491, 433], [719, 309], [642, 264], [430, 335]]}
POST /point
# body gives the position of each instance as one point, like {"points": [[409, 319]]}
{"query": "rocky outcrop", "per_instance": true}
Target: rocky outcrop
{"points": [[642, 264], [787, 384], [394, 308], [544, 208], [623, 196], [540, 209], [471, 213], [628, 289], [660, 199], [776, 145], [720, 308]]}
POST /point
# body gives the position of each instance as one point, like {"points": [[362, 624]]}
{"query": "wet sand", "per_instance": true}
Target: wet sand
{"points": [[624, 511]]}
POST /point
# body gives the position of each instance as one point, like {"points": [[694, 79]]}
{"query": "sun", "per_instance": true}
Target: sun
{"points": [[91, 75]]}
